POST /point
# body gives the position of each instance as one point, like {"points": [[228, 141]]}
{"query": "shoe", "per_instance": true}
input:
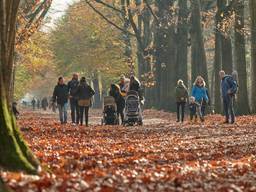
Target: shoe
{"points": [[178, 121]]}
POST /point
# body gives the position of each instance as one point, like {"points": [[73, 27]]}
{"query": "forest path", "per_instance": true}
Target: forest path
{"points": [[159, 156]]}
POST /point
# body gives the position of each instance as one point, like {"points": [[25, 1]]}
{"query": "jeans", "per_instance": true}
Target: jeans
{"points": [[228, 103], [63, 112], [182, 106], [84, 111], [74, 110]]}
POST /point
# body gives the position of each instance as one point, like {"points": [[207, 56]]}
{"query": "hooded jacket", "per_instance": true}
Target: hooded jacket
{"points": [[181, 93]]}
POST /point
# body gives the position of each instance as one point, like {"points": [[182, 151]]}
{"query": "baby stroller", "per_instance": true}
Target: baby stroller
{"points": [[109, 111], [133, 111]]}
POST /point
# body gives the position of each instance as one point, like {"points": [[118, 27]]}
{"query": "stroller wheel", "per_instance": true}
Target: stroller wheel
{"points": [[140, 123]]}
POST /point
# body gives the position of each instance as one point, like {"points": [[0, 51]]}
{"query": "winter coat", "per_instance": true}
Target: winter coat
{"points": [[181, 94], [228, 84], [200, 94], [60, 94], [72, 87], [84, 91]]}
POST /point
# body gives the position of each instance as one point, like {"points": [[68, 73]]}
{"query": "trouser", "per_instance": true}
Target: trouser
{"points": [[228, 103], [63, 112], [84, 111], [121, 114], [74, 110], [196, 112], [180, 105]]}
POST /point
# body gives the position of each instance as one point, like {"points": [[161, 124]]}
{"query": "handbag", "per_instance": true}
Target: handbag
{"points": [[84, 102]]}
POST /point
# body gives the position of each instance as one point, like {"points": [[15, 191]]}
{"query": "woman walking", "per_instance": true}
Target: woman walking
{"points": [[181, 99], [200, 95], [119, 99], [84, 93]]}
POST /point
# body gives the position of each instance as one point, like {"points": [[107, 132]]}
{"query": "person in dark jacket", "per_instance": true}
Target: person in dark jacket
{"points": [[134, 84], [33, 102], [119, 99], [84, 93], [45, 103], [228, 90], [15, 111], [72, 86], [60, 94], [181, 99]]}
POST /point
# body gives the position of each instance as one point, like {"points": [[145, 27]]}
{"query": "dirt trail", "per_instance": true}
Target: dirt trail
{"points": [[160, 156]]}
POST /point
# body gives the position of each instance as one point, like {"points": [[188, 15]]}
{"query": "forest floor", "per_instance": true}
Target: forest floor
{"points": [[160, 156]]}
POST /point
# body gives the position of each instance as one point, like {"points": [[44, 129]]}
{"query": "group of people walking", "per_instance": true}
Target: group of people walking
{"points": [[79, 94], [199, 98]]}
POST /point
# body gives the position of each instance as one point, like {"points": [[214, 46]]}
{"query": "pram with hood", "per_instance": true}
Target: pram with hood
{"points": [[133, 111], [109, 111]]}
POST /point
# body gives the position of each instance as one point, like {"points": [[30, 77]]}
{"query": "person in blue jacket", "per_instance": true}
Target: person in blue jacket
{"points": [[228, 91], [200, 94]]}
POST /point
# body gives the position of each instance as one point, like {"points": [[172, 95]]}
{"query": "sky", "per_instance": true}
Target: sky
{"points": [[58, 8]]}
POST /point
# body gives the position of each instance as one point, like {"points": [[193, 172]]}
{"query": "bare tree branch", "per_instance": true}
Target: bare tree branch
{"points": [[151, 11], [109, 21]]}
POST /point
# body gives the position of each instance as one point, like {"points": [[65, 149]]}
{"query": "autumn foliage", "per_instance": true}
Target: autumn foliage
{"points": [[161, 156]]}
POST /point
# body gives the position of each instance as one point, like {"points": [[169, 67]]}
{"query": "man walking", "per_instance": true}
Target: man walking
{"points": [[228, 89], [60, 94], [72, 87]]}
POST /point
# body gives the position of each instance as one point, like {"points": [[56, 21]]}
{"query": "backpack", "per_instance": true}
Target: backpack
{"points": [[233, 84]]}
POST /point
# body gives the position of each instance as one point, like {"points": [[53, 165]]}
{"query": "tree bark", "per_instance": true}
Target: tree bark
{"points": [[199, 65], [15, 155], [182, 42], [253, 52], [217, 61], [243, 101]]}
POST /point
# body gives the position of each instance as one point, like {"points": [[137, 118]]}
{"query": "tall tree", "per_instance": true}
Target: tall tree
{"points": [[165, 43], [243, 101], [198, 56], [253, 52], [15, 154], [217, 59], [182, 41]]}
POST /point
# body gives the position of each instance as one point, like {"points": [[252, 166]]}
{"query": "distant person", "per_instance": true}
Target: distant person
{"points": [[84, 93], [199, 93], [181, 93], [15, 111], [72, 87], [45, 103], [38, 103], [60, 94], [229, 88], [33, 102], [119, 99]]}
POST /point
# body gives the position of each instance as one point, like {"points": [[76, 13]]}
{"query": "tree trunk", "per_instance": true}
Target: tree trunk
{"points": [[97, 87], [243, 102], [217, 60], [182, 42], [165, 40], [199, 65], [15, 155], [253, 52]]}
